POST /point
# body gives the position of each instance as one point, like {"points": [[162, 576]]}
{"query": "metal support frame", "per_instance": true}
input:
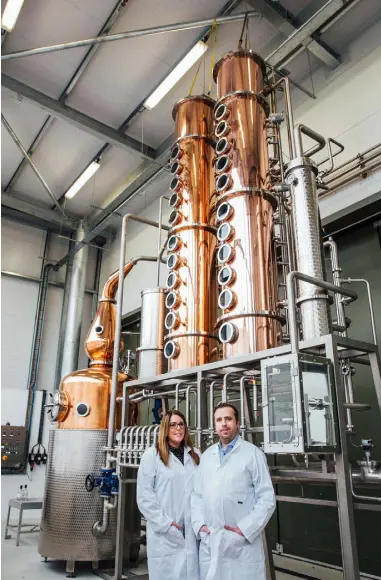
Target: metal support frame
{"points": [[277, 14], [77, 118], [336, 348]]}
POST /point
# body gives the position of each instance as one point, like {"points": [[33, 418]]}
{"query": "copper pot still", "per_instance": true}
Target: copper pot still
{"points": [[83, 399], [191, 284], [248, 318]]}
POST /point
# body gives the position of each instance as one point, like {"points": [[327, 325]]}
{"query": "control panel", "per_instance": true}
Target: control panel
{"points": [[13, 440]]}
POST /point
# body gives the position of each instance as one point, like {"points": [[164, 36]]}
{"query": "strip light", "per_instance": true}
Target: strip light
{"points": [[11, 14], [176, 74], [82, 179]]}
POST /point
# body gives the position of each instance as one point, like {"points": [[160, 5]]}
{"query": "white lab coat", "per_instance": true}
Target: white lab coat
{"points": [[238, 493], [163, 497]]}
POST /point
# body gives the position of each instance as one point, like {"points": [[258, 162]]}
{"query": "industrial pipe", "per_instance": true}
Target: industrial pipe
{"points": [[292, 300], [371, 309], [132, 34]]}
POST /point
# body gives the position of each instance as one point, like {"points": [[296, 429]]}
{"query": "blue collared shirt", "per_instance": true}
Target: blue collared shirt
{"points": [[223, 452]]}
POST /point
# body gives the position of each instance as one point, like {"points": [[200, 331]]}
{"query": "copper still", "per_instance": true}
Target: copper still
{"points": [[249, 320], [85, 394], [191, 283]]}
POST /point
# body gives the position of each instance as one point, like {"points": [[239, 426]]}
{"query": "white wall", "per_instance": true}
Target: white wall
{"points": [[22, 250]]}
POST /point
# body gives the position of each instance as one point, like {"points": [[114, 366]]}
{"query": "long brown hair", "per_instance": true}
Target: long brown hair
{"points": [[162, 443]]}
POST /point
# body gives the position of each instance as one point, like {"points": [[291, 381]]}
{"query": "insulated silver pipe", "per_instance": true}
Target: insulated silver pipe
{"points": [[72, 337], [33, 166], [132, 34], [301, 177]]}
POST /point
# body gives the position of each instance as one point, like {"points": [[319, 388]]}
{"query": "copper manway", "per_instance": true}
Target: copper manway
{"points": [[248, 319], [191, 284]]}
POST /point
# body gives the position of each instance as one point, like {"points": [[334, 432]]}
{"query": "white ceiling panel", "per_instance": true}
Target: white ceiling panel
{"points": [[61, 157], [116, 166], [25, 120], [46, 22]]}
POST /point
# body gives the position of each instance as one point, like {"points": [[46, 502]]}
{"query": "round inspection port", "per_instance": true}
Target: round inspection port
{"points": [[228, 332], [173, 280], [173, 261], [171, 349], [175, 199], [174, 218], [225, 254], [223, 146], [223, 182], [226, 299], [176, 168], [172, 300], [173, 243], [82, 409], [226, 276], [225, 232], [175, 184], [222, 164], [176, 153], [224, 211], [172, 321], [221, 112], [222, 129]]}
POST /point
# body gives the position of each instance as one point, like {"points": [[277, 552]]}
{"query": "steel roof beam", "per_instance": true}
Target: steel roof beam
{"points": [[279, 15], [304, 32], [80, 120]]}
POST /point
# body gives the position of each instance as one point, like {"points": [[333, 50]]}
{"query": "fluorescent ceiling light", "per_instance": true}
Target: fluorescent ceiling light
{"points": [[176, 74], [82, 179], [11, 14]]}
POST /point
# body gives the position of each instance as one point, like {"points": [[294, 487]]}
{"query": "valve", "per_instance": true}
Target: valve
{"points": [[107, 482]]}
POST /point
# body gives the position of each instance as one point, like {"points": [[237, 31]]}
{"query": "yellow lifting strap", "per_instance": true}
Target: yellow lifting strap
{"points": [[214, 28]]}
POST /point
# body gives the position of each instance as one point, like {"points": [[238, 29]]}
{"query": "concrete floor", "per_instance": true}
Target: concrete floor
{"points": [[24, 563]]}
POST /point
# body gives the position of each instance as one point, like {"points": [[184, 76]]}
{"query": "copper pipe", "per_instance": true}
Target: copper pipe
{"points": [[252, 316], [190, 333]]}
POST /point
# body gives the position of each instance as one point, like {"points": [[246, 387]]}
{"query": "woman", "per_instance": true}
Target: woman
{"points": [[164, 486]]}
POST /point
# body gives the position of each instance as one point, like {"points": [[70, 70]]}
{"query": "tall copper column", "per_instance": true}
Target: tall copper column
{"points": [[248, 320], [191, 283]]}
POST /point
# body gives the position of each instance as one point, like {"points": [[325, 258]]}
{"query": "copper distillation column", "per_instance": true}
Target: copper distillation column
{"points": [[248, 320], [191, 283]]}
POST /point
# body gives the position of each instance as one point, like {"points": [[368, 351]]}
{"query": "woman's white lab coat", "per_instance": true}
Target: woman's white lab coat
{"points": [[237, 493], [163, 497]]}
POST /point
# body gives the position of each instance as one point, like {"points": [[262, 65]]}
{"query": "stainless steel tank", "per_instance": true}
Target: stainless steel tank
{"points": [[150, 352], [70, 511]]}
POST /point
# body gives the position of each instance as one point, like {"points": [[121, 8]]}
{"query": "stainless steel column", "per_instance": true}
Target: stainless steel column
{"points": [[150, 352], [301, 176], [72, 338]]}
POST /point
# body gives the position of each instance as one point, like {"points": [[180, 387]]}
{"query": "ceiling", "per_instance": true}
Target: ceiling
{"points": [[117, 78]]}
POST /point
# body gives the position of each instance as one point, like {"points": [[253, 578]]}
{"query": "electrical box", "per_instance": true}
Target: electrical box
{"points": [[13, 441], [299, 404]]}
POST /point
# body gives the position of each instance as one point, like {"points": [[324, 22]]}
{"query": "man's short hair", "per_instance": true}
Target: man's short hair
{"points": [[223, 405]]}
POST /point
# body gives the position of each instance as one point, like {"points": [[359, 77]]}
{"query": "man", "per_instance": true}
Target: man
{"points": [[232, 502]]}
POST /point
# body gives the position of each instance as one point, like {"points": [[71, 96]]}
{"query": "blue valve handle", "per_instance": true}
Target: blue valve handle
{"points": [[107, 481]]}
